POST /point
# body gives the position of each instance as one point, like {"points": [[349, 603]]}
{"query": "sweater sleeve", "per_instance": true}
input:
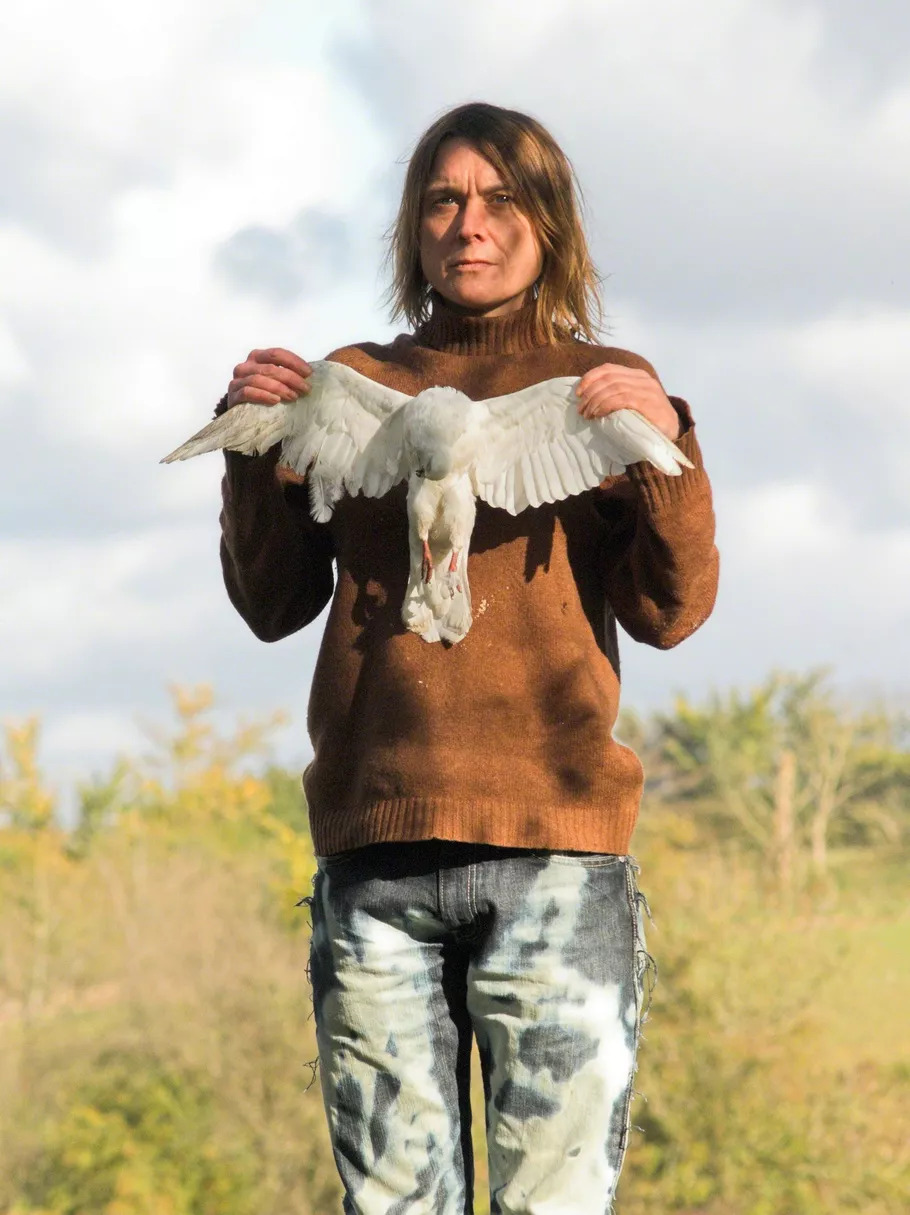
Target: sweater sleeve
{"points": [[277, 562], [660, 561]]}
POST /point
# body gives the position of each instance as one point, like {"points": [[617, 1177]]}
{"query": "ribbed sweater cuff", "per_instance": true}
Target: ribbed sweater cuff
{"points": [[659, 490]]}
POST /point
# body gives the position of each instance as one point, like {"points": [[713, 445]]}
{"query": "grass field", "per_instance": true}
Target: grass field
{"points": [[155, 1022]]}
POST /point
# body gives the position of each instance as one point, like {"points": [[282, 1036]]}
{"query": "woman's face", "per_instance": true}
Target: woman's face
{"points": [[476, 248]]}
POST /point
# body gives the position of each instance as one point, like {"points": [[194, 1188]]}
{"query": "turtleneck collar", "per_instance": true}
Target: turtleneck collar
{"points": [[453, 333]]}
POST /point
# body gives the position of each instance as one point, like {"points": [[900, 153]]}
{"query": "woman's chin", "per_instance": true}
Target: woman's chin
{"points": [[482, 303]]}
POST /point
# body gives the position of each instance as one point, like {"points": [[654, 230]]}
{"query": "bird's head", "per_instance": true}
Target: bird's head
{"points": [[434, 423]]}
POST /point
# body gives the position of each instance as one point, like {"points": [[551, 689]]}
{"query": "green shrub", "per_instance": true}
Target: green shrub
{"points": [[137, 1138]]}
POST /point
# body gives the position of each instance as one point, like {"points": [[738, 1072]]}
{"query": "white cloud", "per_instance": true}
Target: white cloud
{"points": [[859, 356], [125, 343], [797, 563], [776, 524], [816, 589], [65, 600], [13, 365]]}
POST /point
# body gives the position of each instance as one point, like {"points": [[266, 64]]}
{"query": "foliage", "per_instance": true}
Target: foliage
{"points": [[156, 1030], [135, 1139], [754, 1104], [784, 769], [25, 804], [159, 939]]}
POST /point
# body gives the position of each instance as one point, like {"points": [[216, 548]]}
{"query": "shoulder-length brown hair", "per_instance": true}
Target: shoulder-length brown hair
{"points": [[532, 164]]}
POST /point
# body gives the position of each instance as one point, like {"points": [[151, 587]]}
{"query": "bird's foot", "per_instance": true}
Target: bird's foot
{"points": [[427, 565], [452, 580]]}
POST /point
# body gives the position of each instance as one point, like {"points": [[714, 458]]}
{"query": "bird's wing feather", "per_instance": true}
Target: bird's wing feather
{"points": [[251, 429], [538, 448]]}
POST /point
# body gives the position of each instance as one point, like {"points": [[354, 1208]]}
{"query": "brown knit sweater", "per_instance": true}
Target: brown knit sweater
{"points": [[506, 737]]}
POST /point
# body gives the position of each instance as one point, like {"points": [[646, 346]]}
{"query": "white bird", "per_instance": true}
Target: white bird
{"points": [[350, 434]]}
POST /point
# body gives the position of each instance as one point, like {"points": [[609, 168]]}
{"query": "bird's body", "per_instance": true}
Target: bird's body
{"points": [[440, 521], [440, 429], [350, 434]]}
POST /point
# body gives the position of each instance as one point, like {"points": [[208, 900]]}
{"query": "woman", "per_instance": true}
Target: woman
{"points": [[471, 811]]}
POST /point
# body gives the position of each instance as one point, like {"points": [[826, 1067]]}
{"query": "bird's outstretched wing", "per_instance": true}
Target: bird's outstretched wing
{"points": [[346, 433], [538, 448]]}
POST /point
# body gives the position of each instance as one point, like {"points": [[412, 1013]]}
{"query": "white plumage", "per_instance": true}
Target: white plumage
{"points": [[352, 435]]}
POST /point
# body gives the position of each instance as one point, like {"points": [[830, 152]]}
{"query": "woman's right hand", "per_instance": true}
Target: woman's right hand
{"points": [[269, 376]]}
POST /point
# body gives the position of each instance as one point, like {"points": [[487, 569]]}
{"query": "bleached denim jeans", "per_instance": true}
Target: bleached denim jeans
{"points": [[542, 956]]}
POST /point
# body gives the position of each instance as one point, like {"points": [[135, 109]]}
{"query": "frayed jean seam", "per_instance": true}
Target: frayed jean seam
{"points": [[645, 981], [307, 901]]}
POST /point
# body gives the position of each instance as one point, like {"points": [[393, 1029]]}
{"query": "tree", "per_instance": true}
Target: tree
{"points": [[32, 850], [781, 764]]}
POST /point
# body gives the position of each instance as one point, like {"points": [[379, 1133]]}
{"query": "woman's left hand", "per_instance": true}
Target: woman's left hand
{"points": [[611, 386]]}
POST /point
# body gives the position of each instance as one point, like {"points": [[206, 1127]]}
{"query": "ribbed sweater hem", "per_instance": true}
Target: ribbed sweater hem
{"points": [[586, 828]]}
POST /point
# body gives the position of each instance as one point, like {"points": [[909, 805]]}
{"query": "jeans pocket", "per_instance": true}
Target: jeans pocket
{"points": [[338, 859], [344, 869], [585, 860]]}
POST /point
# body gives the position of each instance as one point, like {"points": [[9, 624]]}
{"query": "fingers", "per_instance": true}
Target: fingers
{"points": [[269, 376], [278, 356], [294, 378], [272, 381], [614, 375], [610, 386], [254, 396], [603, 399]]}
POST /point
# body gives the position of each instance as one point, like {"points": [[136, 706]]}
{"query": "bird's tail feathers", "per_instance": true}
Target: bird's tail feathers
{"points": [[457, 620], [417, 613], [439, 609]]}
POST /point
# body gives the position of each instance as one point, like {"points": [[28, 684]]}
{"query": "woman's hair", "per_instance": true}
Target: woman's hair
{"points": [[532, 164]]}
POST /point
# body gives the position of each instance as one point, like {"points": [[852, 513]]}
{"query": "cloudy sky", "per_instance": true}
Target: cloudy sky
{"points": [[184, 180]]}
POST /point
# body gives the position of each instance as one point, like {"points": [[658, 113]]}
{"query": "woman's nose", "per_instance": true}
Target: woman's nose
{"points": [[471, 219]]}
